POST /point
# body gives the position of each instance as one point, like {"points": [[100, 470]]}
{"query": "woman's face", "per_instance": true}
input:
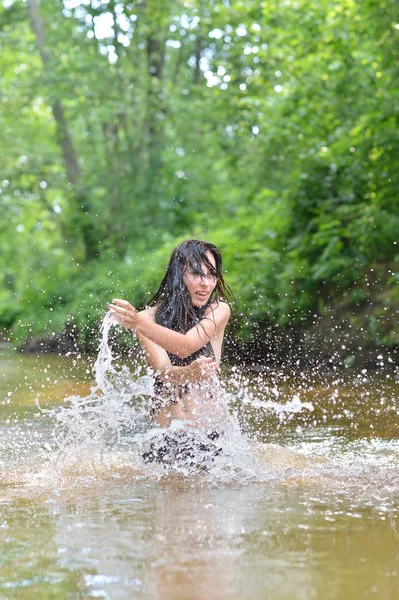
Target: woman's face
{"points": [[200, 287]]}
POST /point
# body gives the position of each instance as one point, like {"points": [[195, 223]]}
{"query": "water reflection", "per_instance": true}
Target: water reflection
{"points": [[320, 523], [182, 539]]}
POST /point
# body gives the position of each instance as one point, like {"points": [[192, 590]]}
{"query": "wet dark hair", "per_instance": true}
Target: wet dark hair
{"points": [[174, 309]]}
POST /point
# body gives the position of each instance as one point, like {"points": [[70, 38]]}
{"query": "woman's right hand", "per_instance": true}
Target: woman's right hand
{"points": [[124, 313], [203, 368]]}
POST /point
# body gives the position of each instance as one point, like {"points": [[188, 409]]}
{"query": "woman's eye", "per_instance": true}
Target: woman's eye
{"points": [[193, 274]]}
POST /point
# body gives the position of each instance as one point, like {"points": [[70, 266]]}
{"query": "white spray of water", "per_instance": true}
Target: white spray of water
{"points": [[113, 426]]}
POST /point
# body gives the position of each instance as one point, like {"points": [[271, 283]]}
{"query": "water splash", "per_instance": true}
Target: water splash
{"points": [[112, 426], [270, 427], [116, 408]]}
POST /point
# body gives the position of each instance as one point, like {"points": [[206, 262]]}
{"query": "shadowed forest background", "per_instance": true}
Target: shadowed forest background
{"points": [[268, 128]]}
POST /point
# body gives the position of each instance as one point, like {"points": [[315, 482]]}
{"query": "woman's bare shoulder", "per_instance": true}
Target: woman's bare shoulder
{"points": [[148, 313], [222, 309]]}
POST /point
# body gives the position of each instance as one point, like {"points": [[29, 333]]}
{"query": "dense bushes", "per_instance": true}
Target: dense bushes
{"points": [[270, 129]]}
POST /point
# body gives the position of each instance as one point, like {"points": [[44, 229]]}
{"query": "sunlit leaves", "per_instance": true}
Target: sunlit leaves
{"points": [[267, 127]]}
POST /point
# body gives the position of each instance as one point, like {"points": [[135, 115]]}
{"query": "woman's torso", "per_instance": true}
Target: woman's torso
{"points": [[194, 401]]}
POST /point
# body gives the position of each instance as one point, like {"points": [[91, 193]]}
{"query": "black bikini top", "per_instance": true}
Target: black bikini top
{"points": [[177, 361], [206, 350]]}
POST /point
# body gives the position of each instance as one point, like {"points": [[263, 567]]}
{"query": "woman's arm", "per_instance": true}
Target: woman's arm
{"points": [[200, 369], [180, 344]]}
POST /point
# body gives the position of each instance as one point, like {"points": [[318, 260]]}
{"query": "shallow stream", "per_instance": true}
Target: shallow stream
{"points": [[303, 503]]}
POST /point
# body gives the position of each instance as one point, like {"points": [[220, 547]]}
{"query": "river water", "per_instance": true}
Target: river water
{"points": [[303, 502]]}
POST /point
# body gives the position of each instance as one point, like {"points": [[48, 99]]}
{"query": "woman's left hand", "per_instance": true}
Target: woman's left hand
{"points": [[124, 313]]}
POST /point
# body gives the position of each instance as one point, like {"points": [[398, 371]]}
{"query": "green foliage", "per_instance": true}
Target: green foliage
{"points": [[269, 128]]}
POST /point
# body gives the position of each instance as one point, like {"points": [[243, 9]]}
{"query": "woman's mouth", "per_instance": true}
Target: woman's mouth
{"points": [[202, 295]]}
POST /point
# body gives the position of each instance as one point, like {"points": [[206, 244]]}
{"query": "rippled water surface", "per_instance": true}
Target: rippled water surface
{"points": [[306, 506]]}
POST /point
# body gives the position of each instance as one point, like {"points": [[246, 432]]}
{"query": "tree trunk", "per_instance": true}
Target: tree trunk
{"points": [[69, 154], [68, 151], [198, 52]]}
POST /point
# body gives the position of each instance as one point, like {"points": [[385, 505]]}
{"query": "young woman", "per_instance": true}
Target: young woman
{"points": [[182, 334]]}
